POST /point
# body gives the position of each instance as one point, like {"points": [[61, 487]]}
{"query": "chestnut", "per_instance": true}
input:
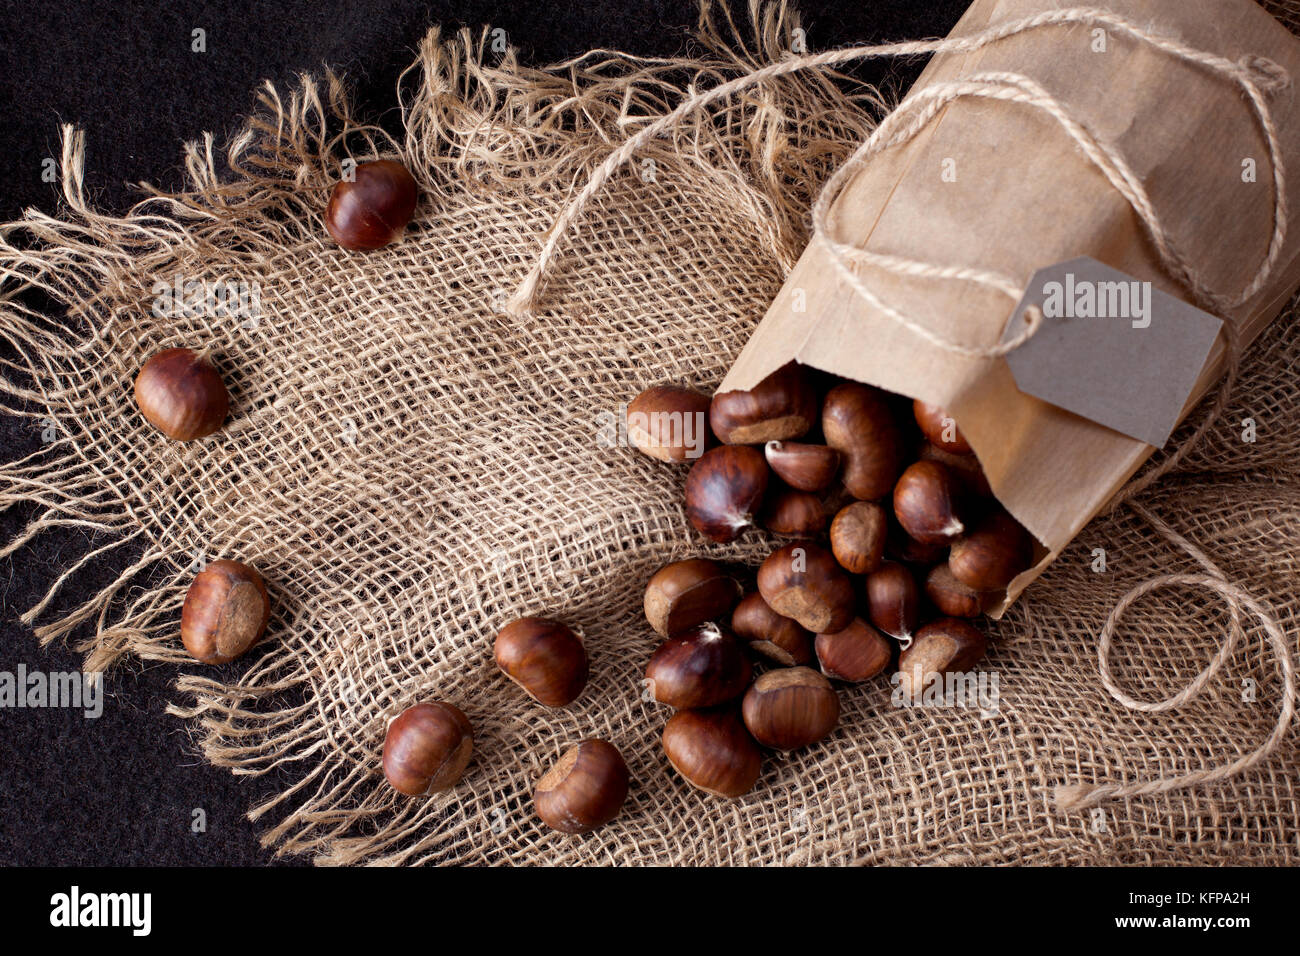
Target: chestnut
{"points": [[670, 423], [373, 208], [893, 600], [789, 511], [856, 653], [858, 536], [944, 646], [790, 708], [965, 468], [545, 658], [940, 428], [775, 637], [951, 597], [713, 751], [585, 789], [803, 581], [803, 466], [858, 422], [724, 491], [781, 406], [928, 503], [700, 668], [992, 554], [182, 395], [427, 748], [686, 593], [225, 612]]}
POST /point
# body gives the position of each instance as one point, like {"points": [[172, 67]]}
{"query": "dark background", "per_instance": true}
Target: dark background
{"points": [[120, 790]]}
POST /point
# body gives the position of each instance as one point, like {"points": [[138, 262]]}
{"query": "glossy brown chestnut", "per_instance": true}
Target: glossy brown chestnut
{"points": [[670, 423], [700, 668], [427, 748], [893, 600], [804, 581], [790, 708], [777, 638], [585, 789], [225, 612], [951, 597], [803, 466], [856, 653], [182, 395], [858, 536], [545, 658], [371, 210], [944, 646], [781, 406], [713, 751], [992, 554], [684, 594], [940, 428], [858, 422], [928, 503], [965, 468], [788, 511], [724, 491]]}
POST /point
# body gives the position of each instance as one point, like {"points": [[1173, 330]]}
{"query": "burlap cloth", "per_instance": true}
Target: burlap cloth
{"points": [[411, 468]]}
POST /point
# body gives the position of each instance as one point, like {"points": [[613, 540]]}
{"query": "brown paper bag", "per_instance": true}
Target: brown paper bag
{"points": [[1020, 195]]}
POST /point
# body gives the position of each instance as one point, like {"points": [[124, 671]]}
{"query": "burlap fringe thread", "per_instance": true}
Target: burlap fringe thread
{"points": [[371, 611]]}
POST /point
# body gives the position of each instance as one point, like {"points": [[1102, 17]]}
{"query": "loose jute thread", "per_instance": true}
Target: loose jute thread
{"points": [[1256, 76]]}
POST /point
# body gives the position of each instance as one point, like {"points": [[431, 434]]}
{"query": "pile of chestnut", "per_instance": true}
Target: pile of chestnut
{"points": [[896, 543]]}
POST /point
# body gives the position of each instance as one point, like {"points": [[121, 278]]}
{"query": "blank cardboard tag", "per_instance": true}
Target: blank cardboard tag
{"points": [[1112, 348]]}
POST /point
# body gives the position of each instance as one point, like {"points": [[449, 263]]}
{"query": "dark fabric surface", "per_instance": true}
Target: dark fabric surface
{"points": [[122, 789]]}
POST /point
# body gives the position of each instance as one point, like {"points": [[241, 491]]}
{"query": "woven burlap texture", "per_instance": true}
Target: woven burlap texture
{"points": [[411, 468]]}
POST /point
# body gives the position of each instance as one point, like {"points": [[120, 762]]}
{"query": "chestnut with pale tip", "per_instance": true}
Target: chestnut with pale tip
{"points": [[781, 406], [688, 593], [790, 708], [858, 652], [700, 668], [858, 422], [779, 639], [670, 423], [544, 657], [940, 428], [994, 552], [180, 393], [427, 748], [804, 581], [713, 751], [893, 600], [226, 611], [724, 491], [952, 598], [804, 466], [945, 646], [585, 789], [788, 511], [858, 535], [928, 503], [371, 209]]}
